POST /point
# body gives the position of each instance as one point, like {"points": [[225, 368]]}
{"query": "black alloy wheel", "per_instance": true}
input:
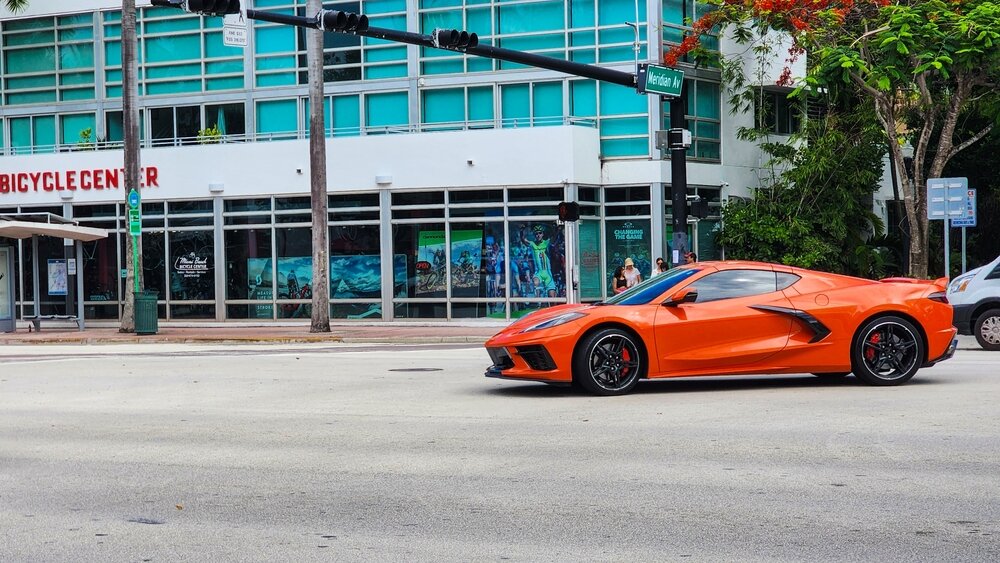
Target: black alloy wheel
{"points": [[608, 362], [887, 351], [988, 330]]}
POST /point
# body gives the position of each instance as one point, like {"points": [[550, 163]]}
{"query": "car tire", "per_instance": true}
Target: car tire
{"points": [[987, 329], [609, 361], [831, 376], [887, 351]]}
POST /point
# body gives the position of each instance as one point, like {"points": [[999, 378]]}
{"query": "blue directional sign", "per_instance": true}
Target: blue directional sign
{"points": [[947, 198], [133, 199], [968, 218]]}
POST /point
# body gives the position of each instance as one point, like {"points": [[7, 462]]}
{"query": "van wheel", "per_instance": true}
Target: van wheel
{"points": [[988, 330]]}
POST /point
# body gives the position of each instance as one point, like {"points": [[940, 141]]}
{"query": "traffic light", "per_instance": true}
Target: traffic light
{"points": [[454, 39], [569, 211], [344, 22], [697, 206]]}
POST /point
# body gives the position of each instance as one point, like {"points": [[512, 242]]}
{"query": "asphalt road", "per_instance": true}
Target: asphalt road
{"points": [[309, 453]]}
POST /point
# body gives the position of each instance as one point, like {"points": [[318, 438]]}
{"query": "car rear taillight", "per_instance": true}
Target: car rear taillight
{"points": [[939, 296]]}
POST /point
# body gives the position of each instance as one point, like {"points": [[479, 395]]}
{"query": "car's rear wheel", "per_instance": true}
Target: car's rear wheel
{"points": [[608, 362], [988, 330], [887, 351], [835, 375]]}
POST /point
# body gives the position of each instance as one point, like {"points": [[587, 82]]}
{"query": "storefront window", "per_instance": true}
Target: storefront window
{"points": [[249, 273], [537, 265], [192, 272], [154, 270], [419, 269], [294, 272], [100, 278], [355, 262], [477, 268], [628, 238]]}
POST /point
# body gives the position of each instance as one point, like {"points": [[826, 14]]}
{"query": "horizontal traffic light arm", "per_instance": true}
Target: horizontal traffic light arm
{"points": [[530, 59]]}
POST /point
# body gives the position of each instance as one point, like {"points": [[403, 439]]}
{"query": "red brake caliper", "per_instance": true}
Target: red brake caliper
{"points": [[870, 352], [625, 358]]}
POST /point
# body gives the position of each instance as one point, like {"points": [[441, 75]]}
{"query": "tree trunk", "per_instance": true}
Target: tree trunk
{"points": [[317, 176], [130, 119]]}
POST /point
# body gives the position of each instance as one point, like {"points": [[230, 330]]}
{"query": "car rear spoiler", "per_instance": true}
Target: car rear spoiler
{"points": [[941, 282]]}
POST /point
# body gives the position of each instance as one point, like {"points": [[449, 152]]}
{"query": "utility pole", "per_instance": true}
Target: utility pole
{"points": [[678, 140], [130, 122], [317, 176]]}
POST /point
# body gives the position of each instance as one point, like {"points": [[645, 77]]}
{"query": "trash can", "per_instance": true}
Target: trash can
{"points": [[145, 312]]}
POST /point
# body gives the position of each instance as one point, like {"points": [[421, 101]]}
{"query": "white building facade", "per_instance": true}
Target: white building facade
{"points": [[444, 171]]}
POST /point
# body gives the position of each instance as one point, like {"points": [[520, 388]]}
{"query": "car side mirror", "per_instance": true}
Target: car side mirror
{"points": [[687, 295]]}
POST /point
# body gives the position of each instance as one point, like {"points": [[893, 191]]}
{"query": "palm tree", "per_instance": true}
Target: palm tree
{"points": [[15, 6]]}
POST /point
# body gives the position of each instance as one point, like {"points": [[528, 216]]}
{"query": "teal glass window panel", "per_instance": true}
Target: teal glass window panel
{"points": [[20, 132], [523, 18], [443, 67], [277, 116], [111, 31], [72, 125], [346, 115], [28, 82], [31, 98], [173, 48], [27, 24], [216, 49], [616, 35], [708, 130], [515, 105], [673, 35], [443, 106], [279, 79], [113, 53], [547, 100], [115, 16], [428, 4], [707, 100], [535, 42], [76, 78], [76, 56], [173, 87], [77, 94], [307, 115], [478, 20], [113, 91], [271, 3], [614, 12], [388, 22], [581, 13], [43, 130], [675, 11], [213, 23], [385, 54], [582, 39], [172, 25], [76, 19], [23, 39], [113, 76], [588, 56], [624, 147], [39, 59], [173, 71], [387, 109], [385, 71], [583, 98], [623, 126], [614, 54], [708, 150], [224, 67], [275, 63], [619, 100], [225, 83], [448, 19], [76, 34], [481, 103], [372, 7], [480, 64], [274, 39]]}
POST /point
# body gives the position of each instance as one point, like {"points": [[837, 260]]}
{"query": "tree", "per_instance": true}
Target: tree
{"points": [[15, 6], [926, 66], [130, 120], [317, 176]]}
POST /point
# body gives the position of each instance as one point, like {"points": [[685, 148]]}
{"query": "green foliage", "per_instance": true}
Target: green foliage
{"points": [[86, 141], [209, 136], [816, 213]]}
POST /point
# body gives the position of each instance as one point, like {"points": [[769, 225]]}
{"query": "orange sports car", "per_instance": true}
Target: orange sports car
{"points": [[733, 318]]}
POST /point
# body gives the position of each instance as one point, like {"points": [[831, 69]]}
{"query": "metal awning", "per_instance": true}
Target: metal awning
{"points": [[26, 225]]}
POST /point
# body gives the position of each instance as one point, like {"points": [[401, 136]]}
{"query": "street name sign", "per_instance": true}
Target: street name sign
{"points": [[947, 197], [659, 80]]}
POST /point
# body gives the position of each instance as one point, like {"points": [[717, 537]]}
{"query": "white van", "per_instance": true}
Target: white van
{"points": [[975, 297]]}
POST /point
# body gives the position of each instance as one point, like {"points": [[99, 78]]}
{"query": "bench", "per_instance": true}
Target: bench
{"points": [[36, 320]]}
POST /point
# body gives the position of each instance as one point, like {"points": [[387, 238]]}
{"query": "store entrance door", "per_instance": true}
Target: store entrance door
{"points": [[7, 322]]}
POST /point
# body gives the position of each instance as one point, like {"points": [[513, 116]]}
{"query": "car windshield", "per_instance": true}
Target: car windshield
{"points": [[652, 288]]}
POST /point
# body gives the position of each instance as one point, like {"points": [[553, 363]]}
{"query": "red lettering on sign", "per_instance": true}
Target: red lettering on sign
{"points": [[47, 181], [151, 177], [111, 178], [4, 183], [71, 179], [85, 179]]}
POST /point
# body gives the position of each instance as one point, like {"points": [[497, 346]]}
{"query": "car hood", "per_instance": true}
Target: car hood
{"points": [[546, 314]]}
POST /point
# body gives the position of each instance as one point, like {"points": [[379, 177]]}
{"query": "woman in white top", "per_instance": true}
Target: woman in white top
{"points": [[631, 273]]}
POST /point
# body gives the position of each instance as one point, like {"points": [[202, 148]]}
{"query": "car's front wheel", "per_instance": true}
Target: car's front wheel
{"points": [[608, 362], [887, 351], [988, 330]]}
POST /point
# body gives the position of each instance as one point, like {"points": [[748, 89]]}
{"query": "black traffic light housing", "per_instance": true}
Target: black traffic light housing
{"points": [[454, 39], [569, 211], [336, 20], [698, 207]]}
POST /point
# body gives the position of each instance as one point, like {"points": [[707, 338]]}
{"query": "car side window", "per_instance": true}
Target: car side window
{"points": [[786, 280], [995, 274], [729, 284]]}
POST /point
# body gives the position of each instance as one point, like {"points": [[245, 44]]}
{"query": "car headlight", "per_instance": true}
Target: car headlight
{"points": [[555, 321], [959, 284]]}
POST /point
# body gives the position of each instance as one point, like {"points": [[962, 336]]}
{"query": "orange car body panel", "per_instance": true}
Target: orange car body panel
{"points": [[741, 335]]}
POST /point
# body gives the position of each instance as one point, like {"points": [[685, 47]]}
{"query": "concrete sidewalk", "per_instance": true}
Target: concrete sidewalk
{"points": [[398, 332]]}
